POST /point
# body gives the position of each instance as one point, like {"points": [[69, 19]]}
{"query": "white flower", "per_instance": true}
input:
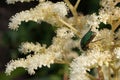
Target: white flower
{"points": [[85, 62], [117, 52], [103, 16], [29, 47], [45, 11], [31, 63], [106, 36], [92, 20], [13, 1], [102, 49], [65, 33], [60, 9], [43, 56]]}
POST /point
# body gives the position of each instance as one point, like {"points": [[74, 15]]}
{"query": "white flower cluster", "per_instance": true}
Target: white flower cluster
{"points": [[106, 37], [43, 56], [104, 49], [13, 1], [46, 11], [117, 52], [29, 47], [63, 33], [101, 54], [107, 14], [32, 62], [83, 63]]}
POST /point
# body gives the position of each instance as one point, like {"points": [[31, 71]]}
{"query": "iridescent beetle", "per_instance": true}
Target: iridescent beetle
{"points": [[87, 38]]}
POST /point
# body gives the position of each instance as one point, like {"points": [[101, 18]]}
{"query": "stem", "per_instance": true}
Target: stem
{"points": [[73, 10], [115, 71], [91, 77], [69, 26], [66, 72], [65, 57], [109, 76], [65, 76], [116, 75], [116, 24], [77, 3], [118, 68], [113, 68], [100, 73], [61, 62]]}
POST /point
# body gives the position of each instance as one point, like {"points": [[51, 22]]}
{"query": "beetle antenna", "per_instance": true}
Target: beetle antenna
{"points": [[97, 40]]}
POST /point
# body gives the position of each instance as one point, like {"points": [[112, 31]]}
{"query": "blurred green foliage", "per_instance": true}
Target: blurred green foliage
{"points": [[89, 6], [31, 32]]}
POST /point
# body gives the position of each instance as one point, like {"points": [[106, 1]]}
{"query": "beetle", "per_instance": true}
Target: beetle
{"points": [[86, 39]]}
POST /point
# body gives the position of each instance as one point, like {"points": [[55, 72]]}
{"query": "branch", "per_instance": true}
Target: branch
{"points": [[72, 8], [69, 26], [100, 73], [91, 77], [118, 68], [77, 3]]}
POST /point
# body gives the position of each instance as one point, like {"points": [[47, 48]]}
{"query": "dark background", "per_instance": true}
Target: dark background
{"points": [[10, 40]]}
